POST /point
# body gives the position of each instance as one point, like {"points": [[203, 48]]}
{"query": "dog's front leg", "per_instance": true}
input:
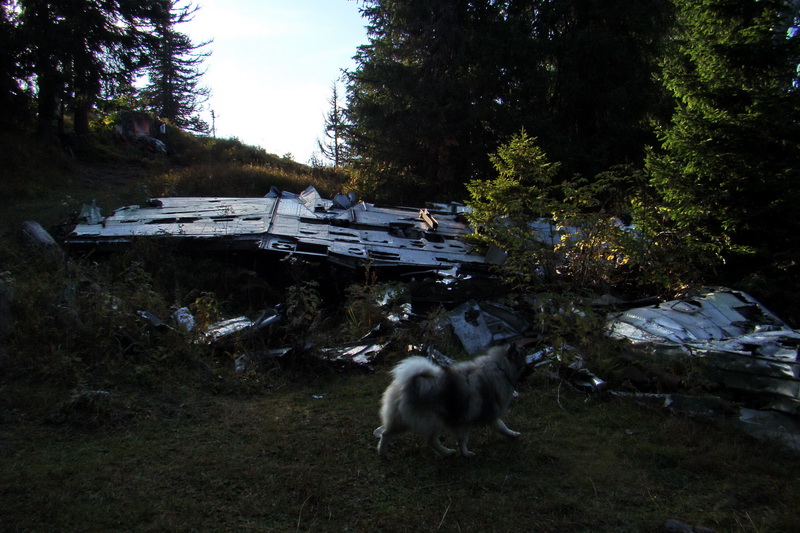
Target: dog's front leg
{"points": [[501, 428], [383, 443]]}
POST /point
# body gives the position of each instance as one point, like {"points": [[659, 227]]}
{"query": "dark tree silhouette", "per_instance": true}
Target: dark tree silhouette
{"points": [[174, 91]]}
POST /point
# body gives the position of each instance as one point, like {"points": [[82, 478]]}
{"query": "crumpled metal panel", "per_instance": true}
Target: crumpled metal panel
{"points": [[745, 346], [362, 354], [301, 224], [479, 325]]}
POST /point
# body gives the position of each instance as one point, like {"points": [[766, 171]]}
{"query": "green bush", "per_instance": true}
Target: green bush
{"points": [[559, 235]]}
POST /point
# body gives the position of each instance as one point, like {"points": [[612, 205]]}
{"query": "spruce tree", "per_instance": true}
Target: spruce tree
{"points": [[602, 94], [41, 33], [71, 49], [334, 148], [422, 98], [13, 97], [92, 31], [729, 165], [174, 91], [442, 83]]}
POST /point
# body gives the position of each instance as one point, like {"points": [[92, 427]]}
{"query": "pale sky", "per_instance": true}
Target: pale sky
{"points": [[271, 67]]}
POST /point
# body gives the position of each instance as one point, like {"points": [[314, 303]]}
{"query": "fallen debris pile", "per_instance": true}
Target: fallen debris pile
{"points": [[732, 340], [739, 344], [735, 342], [345, 232], [742, 345]]}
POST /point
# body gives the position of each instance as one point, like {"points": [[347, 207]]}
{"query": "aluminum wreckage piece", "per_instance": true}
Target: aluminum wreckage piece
{"points": [[343, 231], [742, 345]]}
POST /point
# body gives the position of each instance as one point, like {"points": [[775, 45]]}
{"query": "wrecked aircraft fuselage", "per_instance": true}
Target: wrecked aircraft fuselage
{"points": [[742, 344], [342, 231]]}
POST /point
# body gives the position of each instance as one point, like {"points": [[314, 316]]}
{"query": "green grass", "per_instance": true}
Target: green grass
{"points": [[183, 443], [241, 179], [301, 457], [50, 184]]}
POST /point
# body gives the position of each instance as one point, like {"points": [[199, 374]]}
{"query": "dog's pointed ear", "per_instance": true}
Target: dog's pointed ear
{"points": [[512, 350]]}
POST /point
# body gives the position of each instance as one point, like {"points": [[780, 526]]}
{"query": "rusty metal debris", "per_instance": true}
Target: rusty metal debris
{"points": [[676, 526], [140, 130], [229, 332], [758, 423], [343, 231], [737, 343], [39, 240]]}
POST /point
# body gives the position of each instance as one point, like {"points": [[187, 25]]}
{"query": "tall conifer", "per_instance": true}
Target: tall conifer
{"points": [[174, 91], [729, 165], [442, 83], [334, 147], [70, 48]]}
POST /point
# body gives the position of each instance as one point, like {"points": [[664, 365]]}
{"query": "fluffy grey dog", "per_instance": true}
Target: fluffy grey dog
{"points": [[428, 398]]}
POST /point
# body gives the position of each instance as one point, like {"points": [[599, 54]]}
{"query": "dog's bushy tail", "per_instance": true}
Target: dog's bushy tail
{"points": [[418, 377], [417, 365]]}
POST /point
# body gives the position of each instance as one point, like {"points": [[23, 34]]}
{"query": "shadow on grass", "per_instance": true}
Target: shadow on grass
{"points": [[301, 457]]}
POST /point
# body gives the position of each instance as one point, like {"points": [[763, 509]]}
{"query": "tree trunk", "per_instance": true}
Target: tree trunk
{"points": [[46, 108]]}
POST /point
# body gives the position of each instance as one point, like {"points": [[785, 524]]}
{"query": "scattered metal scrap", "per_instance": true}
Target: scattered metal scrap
{"points": [[343, 231], [239, 327], [218, 333], [229, 332], [360, 354], [743, 345], [37, 238], [757, 423], [676, 526], [479, 325]]}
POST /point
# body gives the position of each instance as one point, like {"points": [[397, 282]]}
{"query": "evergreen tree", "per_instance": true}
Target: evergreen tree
{"points": [[70, 48], [422, 97], [443, 83], [174, 91], [601, 58], [334, 147], [41, 32], [729, 167], [531, 213], [13, 97], [92, 31]]}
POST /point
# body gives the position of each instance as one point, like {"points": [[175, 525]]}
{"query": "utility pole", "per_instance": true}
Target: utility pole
{"points": [[213, 124]]}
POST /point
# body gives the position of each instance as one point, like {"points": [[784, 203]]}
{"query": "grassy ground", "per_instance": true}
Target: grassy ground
{"points": [[301, 458], [49, 184], [176, 441]]}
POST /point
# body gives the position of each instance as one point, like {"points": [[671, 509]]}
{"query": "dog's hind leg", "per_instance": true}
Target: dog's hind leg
{"points": [[500, 426], [463, 436], [436, 444], [388, 431]]}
